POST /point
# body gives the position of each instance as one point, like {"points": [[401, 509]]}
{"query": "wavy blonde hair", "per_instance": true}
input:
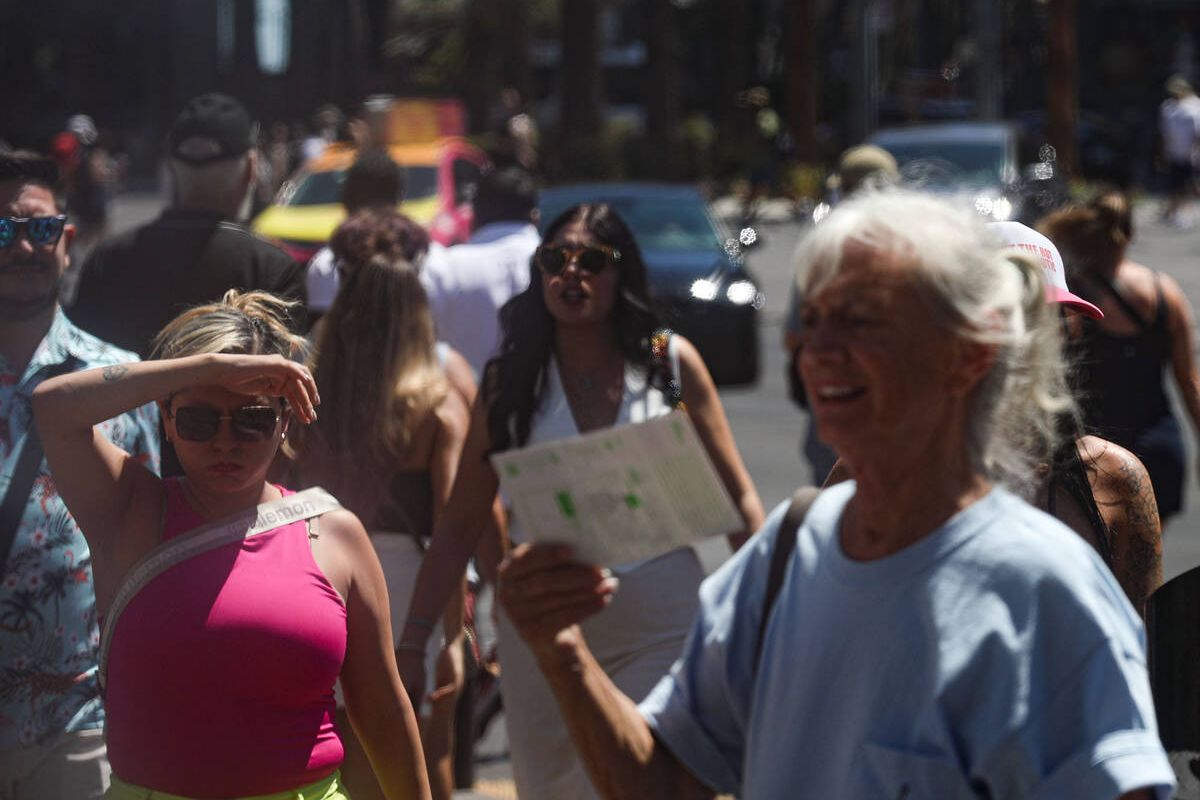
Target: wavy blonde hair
{"points": [[245, 323], [377, 373]]}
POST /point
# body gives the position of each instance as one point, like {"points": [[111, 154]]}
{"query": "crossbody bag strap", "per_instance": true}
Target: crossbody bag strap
{"points": [[781, 554], [302, 506], [20, 483], [664, 351]]}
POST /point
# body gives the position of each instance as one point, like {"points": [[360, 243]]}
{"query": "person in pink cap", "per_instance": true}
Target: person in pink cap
{"points": [[1096, 487], [1123, 358]]}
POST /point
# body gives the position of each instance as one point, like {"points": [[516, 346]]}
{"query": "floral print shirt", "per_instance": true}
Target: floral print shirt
{"points": [[49, 640]]}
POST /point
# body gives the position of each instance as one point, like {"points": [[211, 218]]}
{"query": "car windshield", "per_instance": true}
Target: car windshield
{"points": [[661, 223], [949, 163], [324, 188]]}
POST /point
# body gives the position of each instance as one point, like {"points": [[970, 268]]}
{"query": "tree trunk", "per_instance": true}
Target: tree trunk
{"points": [[245, 53], [580, 122], [480, 82], [802, 80], [664, 103], [1061, 100]]}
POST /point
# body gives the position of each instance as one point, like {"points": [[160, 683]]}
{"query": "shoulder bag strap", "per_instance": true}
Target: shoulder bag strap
{"points": [[301, 506], [664, 351], [781, 554], [20, 484]]}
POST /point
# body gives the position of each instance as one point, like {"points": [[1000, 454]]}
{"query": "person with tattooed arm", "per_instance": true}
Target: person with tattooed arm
{"points": [[51, 717]]}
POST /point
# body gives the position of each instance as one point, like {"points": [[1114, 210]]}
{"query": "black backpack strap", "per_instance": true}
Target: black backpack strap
{"points": [[20, 484], [781, 554]]}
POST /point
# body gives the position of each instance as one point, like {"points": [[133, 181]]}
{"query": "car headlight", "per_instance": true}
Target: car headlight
{"points": [[742, 293], [704, 289]]}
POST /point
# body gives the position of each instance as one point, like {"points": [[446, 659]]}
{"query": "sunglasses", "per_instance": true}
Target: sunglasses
{"points": [[552, 260], [249, 423], [40, 231]]}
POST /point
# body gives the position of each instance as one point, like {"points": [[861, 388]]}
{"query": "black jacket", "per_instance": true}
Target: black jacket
{"points": [[133, 285]]}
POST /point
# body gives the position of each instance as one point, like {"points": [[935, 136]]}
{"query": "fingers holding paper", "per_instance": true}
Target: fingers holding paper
{"points": [[545, 592]]}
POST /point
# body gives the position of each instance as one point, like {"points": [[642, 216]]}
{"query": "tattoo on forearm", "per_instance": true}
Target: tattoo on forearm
{"points": [[1142, 571], [115, 372]]}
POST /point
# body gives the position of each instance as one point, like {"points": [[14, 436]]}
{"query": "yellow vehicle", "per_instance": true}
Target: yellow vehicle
{"points": [[439, 182]]}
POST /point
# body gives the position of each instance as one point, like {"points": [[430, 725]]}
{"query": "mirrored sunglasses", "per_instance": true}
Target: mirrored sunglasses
{"points": [[40, 231], [249, 423], [552, 260]]}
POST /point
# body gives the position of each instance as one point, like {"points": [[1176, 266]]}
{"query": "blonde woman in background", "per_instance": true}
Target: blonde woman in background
{"points": [[388, 443]]}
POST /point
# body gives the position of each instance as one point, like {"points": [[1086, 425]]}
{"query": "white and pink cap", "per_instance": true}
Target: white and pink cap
{"points": [[1022, 237]]}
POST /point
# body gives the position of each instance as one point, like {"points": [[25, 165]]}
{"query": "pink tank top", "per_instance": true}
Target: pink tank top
{"points": [[221, 669]]}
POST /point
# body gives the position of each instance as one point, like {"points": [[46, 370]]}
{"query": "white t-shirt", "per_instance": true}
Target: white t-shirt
{"points": [[321, 278], [995, 657], [1179, 121], [469, 285]]}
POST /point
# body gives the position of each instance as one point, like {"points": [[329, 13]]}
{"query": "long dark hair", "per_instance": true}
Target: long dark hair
{"points": [[515, 380]]}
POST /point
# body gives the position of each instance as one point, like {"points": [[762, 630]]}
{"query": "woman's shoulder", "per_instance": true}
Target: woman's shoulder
{"points": [[452, 415], [1111, 468], [1027, 553]]}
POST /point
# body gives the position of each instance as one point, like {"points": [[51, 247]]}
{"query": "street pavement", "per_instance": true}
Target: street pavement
{"points": [[768, 427]]}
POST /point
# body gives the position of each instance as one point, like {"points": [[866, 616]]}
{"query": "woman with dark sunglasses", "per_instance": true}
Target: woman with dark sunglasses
{"points": [[231, 604], [582, 351]]}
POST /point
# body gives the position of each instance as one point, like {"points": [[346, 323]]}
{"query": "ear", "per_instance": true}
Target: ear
{"points": [[251, 166], [68, 236], [975, 360], [167, 422]]}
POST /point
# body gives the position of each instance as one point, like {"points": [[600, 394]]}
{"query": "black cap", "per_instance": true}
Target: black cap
{"points": [[211, 127]]}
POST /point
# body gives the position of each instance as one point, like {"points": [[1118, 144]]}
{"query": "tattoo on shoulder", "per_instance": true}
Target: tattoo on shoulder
{"points": [[115, 372]]}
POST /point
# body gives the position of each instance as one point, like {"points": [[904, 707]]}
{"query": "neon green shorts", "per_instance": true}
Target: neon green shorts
{"points": [[325, 789]]}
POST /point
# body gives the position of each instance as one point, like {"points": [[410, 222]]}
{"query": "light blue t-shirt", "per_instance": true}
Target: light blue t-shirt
{"points": [[997, 652]]}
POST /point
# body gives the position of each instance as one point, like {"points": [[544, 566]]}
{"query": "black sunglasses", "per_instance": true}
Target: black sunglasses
{"points": [[552, 260], [40, 231], [249, 423]]}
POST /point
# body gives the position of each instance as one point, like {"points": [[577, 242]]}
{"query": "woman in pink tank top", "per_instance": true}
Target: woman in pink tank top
{"points": [[232, 605]]}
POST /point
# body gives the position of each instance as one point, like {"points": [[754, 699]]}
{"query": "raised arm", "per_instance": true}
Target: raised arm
{"points": [[546, 595], [378, 707], [455, 536], [708, 415], [113, 498]]}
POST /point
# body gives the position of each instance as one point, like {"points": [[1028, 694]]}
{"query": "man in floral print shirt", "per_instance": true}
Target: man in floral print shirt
{"points": [[51, 718]]}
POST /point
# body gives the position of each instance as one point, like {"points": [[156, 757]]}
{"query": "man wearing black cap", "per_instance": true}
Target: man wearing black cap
{"points": [[131, 286]]}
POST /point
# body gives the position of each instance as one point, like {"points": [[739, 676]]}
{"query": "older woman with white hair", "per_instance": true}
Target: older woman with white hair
{"points": [[931, 634]]}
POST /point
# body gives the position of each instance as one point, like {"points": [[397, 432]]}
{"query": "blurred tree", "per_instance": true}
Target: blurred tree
{"points": [[1061, 96], [581, 118], [802, 79], [664, 101], [496, 36]]}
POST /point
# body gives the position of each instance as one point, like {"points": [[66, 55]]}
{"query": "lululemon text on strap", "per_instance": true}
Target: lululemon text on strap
{"points": [[235, 528]]}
